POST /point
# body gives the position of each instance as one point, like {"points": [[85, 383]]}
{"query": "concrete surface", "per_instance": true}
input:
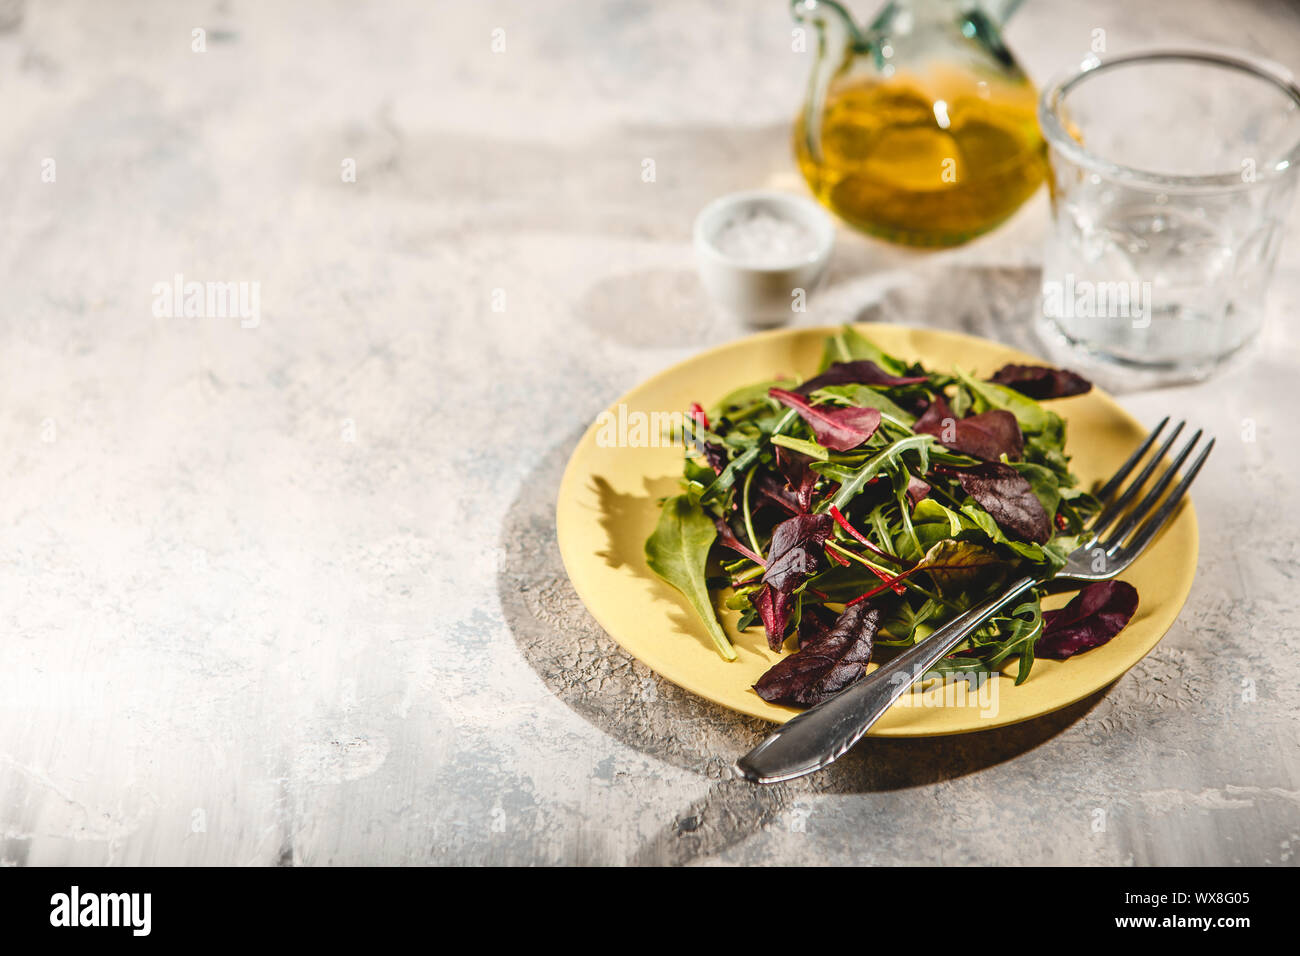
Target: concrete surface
{"points": [[286, 590]]}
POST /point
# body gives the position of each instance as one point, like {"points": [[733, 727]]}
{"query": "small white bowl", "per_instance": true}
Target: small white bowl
{"points": [[762, 293]]}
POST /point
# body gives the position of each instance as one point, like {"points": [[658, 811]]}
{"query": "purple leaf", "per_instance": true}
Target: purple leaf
{"points": [[826, 665], [837, 428], [1040, 382], [727, 538], [1009, 498], [801, 479], [715, 455], [794, 556], [1093, 617], [816, 621], [916, 489], [768, 488], [988, 435], [861, 372]]}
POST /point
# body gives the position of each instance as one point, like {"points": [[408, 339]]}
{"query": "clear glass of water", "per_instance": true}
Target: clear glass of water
{"points": [[1171, 176]]}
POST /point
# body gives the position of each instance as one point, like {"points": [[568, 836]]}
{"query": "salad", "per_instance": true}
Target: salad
{"points": [[858, 510]]}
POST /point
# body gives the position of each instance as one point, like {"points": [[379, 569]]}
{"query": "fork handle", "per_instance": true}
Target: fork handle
{"points": [[815, 738]]}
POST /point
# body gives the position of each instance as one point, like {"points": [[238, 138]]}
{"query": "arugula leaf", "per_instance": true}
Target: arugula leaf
{"points": [[850, 488], [677, 551], [935, 509], [739, 465]]}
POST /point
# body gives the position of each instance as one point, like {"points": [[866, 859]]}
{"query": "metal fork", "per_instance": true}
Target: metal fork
{"points": [[818, 736]]}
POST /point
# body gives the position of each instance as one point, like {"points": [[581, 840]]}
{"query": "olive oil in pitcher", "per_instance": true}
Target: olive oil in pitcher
{"points": [[931, 156]]}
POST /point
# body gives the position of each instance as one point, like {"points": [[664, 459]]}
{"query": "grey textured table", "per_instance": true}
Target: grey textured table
{"points": [[289, 593]]}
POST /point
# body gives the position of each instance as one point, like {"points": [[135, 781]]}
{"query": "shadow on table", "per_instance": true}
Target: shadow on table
{"points": [[587, 670]]}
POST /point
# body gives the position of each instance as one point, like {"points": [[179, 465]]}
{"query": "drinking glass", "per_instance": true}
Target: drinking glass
{"points": [[1171, 176]]}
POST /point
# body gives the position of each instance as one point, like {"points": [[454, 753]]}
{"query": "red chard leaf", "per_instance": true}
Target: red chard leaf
{"points": [[1039, 382], [836, 427], [727, 538], [989, 435], [773, 491], [861, 372], [1009, 498], [825, 665], [816, 621], [794, 556], [1093, 617], [715, 455], [798, 475], [916, 490]]}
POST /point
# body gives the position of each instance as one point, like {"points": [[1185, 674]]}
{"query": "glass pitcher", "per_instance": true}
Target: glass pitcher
{"points": [[920, 129]]}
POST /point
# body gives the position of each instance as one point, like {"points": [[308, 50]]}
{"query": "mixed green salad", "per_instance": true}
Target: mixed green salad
{"points": [[858, 510]]}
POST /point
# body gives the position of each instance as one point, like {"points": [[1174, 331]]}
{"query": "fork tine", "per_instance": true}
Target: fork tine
{"points": [[1158, 520], [1116, 507], [1150, 499], [1117, 479]]}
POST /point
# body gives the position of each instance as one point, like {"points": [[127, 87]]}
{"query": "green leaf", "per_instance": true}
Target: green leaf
{"points": [[928, 510], [956, 565], [854, 484], [1044, 484], [847, 345], [740, 464], [746, 396], [809, 448], [678, 551], [1033, 418], [988, 524], [864, 396]]}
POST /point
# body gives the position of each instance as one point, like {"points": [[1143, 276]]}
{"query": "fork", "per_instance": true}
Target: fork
{"points": [[819, 736]]}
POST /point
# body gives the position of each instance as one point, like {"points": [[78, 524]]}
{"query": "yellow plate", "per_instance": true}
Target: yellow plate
{"points": [[608, 506]]}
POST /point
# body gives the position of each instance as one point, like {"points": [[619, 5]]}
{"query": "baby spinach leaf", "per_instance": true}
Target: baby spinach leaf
{"points": [[677, 551]]}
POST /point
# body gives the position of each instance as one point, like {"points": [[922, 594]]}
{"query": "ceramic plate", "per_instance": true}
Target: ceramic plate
{"points": [[608, 506]]}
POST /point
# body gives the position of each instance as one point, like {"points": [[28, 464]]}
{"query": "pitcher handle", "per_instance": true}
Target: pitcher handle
{"points": [[838, 39]]}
